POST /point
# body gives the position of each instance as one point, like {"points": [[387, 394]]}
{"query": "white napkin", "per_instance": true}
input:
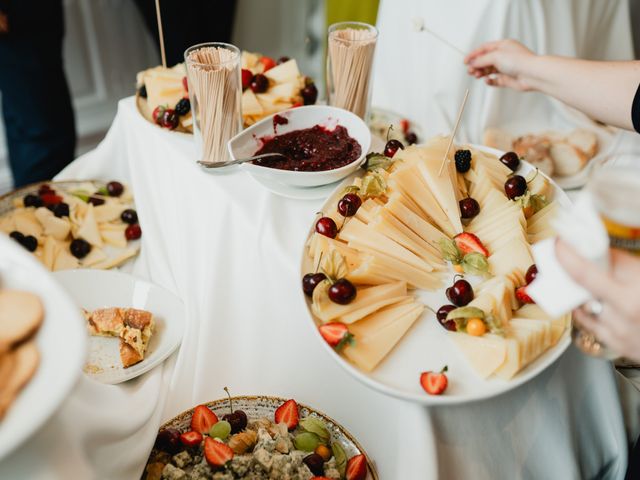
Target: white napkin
{"points": [[581, 227]]}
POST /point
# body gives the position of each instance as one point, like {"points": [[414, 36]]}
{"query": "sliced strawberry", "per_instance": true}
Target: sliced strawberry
{"points": [[404, 125], [434, 383], [51, 198], [335, 334], [185, 83], [191, 439], [267, 62], [203, 419], [44, 188], [356, 468], [158, 113], [296, 105], [246, 78], [217, 453], [287, 413], [523, 296], [468, 243]]}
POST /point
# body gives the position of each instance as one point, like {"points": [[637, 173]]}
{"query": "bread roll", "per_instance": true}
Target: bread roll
{"points": [[535, 149], [567, 159], [497, 138], [584, 140]]}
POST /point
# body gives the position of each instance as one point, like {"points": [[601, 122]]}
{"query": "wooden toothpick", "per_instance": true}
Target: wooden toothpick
{"points": [[455, 129], [419, 26], [161, 34]]}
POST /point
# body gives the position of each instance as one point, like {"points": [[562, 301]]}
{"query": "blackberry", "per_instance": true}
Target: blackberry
{"points": [[80, 248], [129, 216], [142, 91], [61, 210], [411, 138], [32, 200], [183, 106], [30, 243], [463, 160], [17, 236]]}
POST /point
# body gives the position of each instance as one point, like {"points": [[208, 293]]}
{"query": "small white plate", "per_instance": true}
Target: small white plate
{"points": [[61, 341], [297, 193], [92, 289]]}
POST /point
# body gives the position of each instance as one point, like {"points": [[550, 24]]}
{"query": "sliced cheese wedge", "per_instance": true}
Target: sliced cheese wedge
{"points": [[89, 228], [359, 314], [27, 222], [485, 354]]}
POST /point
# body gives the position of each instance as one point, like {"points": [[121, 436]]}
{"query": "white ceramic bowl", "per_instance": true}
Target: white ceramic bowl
{"points": [[246, 143]]}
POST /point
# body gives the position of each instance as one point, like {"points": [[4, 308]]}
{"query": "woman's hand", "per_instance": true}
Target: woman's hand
{"points": [[618, 326], [502, 64]]}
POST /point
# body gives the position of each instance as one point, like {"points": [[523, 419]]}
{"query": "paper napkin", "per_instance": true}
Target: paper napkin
{"points": [[581, 227]]}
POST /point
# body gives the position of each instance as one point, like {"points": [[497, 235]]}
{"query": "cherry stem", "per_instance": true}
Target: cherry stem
{"points": [[389, 131], [455, 277], [319, 262], [534, 177], [446, 368], [230, 401]]}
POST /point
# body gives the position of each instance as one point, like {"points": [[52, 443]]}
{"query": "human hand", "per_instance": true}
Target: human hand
{"points": [[501, 63], [618, 326]]}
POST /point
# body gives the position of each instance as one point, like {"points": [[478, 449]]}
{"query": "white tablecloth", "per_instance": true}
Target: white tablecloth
{"points": [[231, 250]]}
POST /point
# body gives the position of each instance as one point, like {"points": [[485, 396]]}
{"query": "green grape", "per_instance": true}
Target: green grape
{"points": [[220, 430], [306, 441]]}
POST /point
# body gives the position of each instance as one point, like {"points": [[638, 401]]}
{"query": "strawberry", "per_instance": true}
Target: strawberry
{"points": [[50, 198], [335, 334], [434, 383], [191, 439], [523, 296], [287, 413], [217, 453], [246, 78], [267, 62], [296, 105], [404, 125], [158, 113], [185, 83], [356, 468], [468, 243], [203, 419]]}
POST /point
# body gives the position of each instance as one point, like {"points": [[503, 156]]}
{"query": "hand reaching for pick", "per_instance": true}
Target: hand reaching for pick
{"points": [[501, 63], [618, 326]]}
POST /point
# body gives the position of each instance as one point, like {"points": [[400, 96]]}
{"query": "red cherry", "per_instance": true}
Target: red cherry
{"points": [[157, 114], [327, 227], [532, 273], [392, 147], [349, 205], [342, 292], [309, 94], [469, 207], [515, 186], [460, 293], [259, 83], [511, 160], [310, 281], [246, 78], [170, 119], [133, 232], [441, 315], [185, 84]]}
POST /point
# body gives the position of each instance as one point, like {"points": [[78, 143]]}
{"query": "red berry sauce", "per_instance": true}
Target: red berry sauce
{"points": [[311, 149]]}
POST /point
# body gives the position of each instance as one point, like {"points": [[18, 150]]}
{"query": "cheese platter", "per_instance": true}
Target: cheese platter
{"points": [[406, 272]]}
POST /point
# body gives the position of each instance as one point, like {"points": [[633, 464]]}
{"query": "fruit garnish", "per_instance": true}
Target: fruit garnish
{"points": [[306, 441], [336, 334], [342, 291], [79, 248], [468, 243], [349, 205], [133, 232], [246, 78], [473, 263], [374, 161], [341, 458], [287, 413], [96, 201], [404, 125], [50, 199], [114, 189], [310, 281], [259, 83], [463, 160], [170, 119], [510, 160], [469, 207], [217, 453], [168, 440], [236, 418], [157, 114], [434, 383], [532, 273], [309, 94], [373, 185], [315, 463], [220, 430], [61, 210], [17, 236], [267, 62], [515, 186], [411, 138], [327, 227], [441, 315], [31, 200], [357, 467], [283, 59], [191, 439], [29, 242], [324, 452], [523, 296], [317, 426], [203, 419], [460, 293], [466, 313], [392, 147], [531, 203], [476, 327], [129, 216], [183, 106]]}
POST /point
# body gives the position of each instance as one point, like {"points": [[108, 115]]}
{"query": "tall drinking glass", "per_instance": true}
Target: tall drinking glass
{"points": [[215, 90], [350, 50]]}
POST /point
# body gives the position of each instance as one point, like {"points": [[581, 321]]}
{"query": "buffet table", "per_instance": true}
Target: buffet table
{"points": [[231, 250]]}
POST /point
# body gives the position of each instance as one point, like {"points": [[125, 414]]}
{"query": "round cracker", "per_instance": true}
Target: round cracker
{"points": [[21, 314], [26, 360]]}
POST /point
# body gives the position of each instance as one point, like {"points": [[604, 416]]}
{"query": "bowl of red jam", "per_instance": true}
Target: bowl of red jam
{"points": [[320, 145]]}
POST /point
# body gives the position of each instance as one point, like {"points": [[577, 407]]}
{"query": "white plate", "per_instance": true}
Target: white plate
{"points": [[297, 193], [93, 289], [61, 340], [427, 346]]}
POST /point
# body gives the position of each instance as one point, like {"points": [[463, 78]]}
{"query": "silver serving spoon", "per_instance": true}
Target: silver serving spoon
{"points": [[238, 161]]}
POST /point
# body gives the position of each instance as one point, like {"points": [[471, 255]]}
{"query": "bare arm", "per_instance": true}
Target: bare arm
{"points": [[602, 90]]}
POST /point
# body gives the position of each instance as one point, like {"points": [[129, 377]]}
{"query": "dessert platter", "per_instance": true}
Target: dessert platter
{"points": [[133, 324], [566, 156], [73, 224], [257, 437], [35, 319], [419, 266], [269, 86]]}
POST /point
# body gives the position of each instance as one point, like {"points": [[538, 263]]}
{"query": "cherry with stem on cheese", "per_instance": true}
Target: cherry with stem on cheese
{"points": [[469, 207], [411, 138], [259, 83], [115, 189], [310, 281], [327, 227], [342, 292], [515, 186], [532, 273], [349, 205], [441, 315], [460, 293], [309, 93], [237, 418], [392, 147], [510, 160], [133, 232]]}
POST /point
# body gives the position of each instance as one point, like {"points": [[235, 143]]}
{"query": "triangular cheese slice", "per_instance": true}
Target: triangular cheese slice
{"points": [[485, 354], [89, 229], [65, 261], [95, 256], [26, 221]]}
